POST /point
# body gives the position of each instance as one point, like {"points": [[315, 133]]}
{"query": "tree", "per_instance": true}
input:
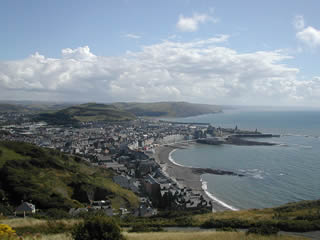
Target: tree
{"points": [[97, 228]]}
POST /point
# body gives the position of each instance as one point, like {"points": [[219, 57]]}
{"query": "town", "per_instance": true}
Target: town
{"points": [[128, 149]]}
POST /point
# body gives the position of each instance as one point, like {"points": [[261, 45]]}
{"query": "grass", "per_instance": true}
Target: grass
{"points": [[178, 236], [288, 212], [204, 236], [7, 155], [36, 224], [54, 180]]}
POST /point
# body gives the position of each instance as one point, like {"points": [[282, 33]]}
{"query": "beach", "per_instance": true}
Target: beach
{"points": [[185, 176]]}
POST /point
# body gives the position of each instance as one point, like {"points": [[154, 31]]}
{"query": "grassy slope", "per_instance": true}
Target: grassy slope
{"points": [[168, 109], [86, 112], [301, 216], [291, 211], [32, 107], [52, 179]]}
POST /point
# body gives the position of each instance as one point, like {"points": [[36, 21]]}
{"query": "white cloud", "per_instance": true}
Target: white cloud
{"points": [[196, 71], [191, 24], [310, 36], [134, 36]]}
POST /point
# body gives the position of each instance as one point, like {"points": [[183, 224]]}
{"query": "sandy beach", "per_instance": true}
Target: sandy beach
{"points": [[184, 176]]}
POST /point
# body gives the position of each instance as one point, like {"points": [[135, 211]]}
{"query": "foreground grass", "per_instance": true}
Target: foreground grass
{"points": [[176, 236], [204, 236]]}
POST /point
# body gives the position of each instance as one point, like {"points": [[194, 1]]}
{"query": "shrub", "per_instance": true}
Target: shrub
{"points": [[264, 229], [97, 228], [143, 228], [6, 232], [222, 223], [226, 229]]}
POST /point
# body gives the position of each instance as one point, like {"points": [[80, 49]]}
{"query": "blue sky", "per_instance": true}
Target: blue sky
{"points": [[262, 52]]}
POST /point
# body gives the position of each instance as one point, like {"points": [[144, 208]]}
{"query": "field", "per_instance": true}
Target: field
{"points": [[30, 223]]}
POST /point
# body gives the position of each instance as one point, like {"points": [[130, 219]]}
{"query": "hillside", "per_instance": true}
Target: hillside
{"points": [[54, 180], [5, 107], [85, 113], [168, 109], [31, 107]]}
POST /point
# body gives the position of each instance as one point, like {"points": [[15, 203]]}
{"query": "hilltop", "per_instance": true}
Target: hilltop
{"points": [[85, 113], [168, 109], [125, 111], [54, 180]]}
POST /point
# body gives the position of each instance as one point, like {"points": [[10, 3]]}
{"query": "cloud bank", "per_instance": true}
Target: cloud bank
{"points": [[196, 71]]}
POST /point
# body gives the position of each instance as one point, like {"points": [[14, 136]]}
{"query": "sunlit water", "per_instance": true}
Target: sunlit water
{"points": [[274, 175]]}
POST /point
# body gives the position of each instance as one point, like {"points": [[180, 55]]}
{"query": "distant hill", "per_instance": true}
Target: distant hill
{"points": [[85, 113], [168, 109], [5, 107], [54, 180], [31, 107], [121, 111]]}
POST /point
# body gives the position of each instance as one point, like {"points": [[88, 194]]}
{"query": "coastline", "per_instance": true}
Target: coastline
{"points": [[186, 176]]}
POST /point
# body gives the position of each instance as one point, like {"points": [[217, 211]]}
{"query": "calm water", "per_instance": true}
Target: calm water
{"points": [[274, 174]]}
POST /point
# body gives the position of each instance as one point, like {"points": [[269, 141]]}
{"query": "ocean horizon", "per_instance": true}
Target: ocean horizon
{"points": [[274, 175]]}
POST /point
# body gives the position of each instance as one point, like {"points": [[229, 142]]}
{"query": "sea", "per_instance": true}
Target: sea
{"points": [[274, 175]]}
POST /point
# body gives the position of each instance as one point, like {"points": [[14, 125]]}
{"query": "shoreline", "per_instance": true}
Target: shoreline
{"points": [[186, 176]]}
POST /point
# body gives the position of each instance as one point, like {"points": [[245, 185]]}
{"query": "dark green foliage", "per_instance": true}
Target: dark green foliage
{"points": [[97, 228], [58, 118], [264, 229], [55, 213], [299, 225], [144, 228], [226, 229], [222, 223]]}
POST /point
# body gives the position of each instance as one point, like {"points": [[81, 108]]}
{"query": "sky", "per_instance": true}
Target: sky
{"points": [[204, 51]]}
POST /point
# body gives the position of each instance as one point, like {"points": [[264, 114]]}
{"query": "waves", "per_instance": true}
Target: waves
{"points": [[299, 135], [254, 173], [205, 189], [172, 160], [204, 186]]}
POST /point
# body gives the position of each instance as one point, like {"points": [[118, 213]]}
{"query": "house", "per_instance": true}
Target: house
{"points": [[25, 208]]}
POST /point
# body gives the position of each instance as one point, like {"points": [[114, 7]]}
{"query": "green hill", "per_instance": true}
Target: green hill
{"points": [[31, 107], [168, 109], [5, 107], [54, 180], [125, 111], [86, 113]]}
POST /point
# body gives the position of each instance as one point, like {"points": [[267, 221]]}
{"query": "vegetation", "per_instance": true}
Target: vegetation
{"points": [[300, 217], [263, 230], [86, 113], [31, 107], [100, 228], [168, 109], [6, 231], [191, 235], [57, 114], [51, 179]]}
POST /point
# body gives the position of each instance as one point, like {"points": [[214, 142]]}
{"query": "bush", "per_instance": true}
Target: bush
{"points": [[226, 229], [222, 223], [97, 228], [143, 228], [263, 230], [6, 232]]}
